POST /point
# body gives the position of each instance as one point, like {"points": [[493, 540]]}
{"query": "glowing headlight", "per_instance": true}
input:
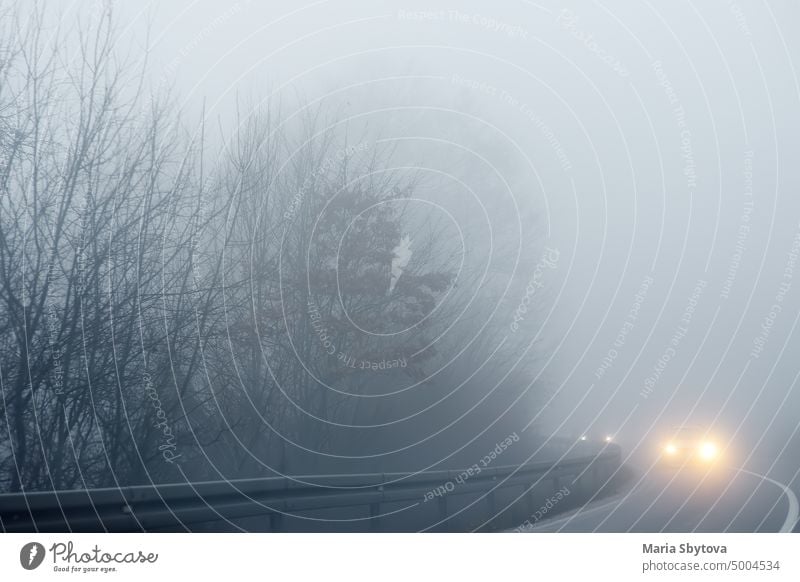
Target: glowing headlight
{"points": [[583, 438], [609, 439], [670, 449], [708, 451]]}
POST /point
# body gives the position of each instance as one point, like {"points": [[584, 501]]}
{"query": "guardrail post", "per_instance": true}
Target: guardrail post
{"points": [[529, 502], [492, 501], [374, 516], [375, 509], [275, 521], [443, 513]]}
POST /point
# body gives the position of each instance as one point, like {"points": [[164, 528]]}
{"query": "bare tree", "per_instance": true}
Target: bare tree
{"points": [[165, 322], [96, 210]]}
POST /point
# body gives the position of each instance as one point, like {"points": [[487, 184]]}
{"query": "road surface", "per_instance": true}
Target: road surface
{"points": [[661, 499]]}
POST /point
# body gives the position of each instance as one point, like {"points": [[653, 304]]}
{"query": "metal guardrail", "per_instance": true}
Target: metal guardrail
{"points": [[376, 496]]}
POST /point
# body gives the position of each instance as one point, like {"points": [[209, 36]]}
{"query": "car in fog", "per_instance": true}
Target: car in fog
{"points": [[689, 445]]}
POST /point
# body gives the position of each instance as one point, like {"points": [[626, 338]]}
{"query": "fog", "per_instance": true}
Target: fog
{"points": [[670, 160], [607, 194]]}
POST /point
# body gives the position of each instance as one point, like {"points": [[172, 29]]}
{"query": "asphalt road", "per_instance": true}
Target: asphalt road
{"points": [[663, 499]]}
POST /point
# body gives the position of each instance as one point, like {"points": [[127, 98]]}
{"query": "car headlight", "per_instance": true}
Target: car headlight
{"points": [[708, 451], [670, 449]]}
